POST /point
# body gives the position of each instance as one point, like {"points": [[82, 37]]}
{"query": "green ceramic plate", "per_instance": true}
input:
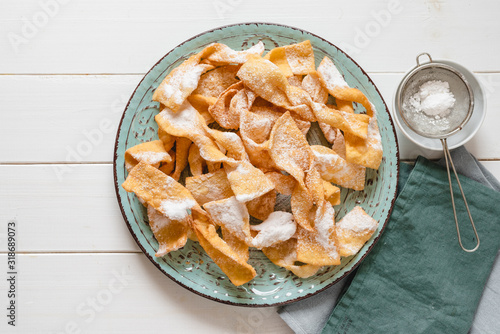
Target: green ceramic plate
{"points": [[190, 266]]}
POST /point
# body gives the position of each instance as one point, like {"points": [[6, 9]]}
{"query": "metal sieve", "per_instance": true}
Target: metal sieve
{"points": [[438, 127]]}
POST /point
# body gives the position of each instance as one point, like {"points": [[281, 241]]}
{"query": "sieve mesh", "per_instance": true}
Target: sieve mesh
{"points": [[429, 126]]}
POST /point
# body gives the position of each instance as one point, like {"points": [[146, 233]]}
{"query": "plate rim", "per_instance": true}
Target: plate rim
{"points": [[228, 302]]}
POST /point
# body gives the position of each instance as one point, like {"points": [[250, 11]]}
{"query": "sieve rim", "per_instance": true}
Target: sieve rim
{"points": [[407, 79]]}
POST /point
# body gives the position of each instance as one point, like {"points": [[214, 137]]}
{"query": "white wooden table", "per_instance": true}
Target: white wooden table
{"points": [[67, 69]]}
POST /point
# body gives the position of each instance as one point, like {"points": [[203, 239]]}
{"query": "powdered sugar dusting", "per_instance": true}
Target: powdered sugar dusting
{"points": [[182, 81], [228, 55], [278, 227], [242, 170], [243, 198], [331, 75], [150, 158], [358, 221], [324, 223], [129, 166], [373, 137], [325, 164], [157, 220], [185, 120], [231, 214], [176, 209], [333, 168]]}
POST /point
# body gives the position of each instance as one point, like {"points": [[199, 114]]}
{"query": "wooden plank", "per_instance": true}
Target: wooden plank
{"points": [[493, 167], [120, 293], [57, 209], [101, 37], [76, 214], [60, 120]]}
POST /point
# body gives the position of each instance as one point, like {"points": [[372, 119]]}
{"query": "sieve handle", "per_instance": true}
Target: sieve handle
{"points": [[423, 54], [449, 162]]}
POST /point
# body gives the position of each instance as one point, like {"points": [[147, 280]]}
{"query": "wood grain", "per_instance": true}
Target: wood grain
{"points": [[61, 118], [120, 293], [78, 213], [112, 37]]}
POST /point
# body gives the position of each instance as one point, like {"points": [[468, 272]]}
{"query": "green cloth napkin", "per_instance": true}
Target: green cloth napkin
{"points": [[417, 279]]}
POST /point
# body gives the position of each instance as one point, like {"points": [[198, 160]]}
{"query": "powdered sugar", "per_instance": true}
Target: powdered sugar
{"points": [[324, 222], [358, 221], [333, 168], [247, 181], [157, 220], [242, 170], [182, 82], [374, 139], [185, 120], [326, 163], [129, 166], [170, 92], [176, 209], [278, 227], [231, 214], [243, 198], [150, 158], [227, 55], [331, 75], [434, 99]]}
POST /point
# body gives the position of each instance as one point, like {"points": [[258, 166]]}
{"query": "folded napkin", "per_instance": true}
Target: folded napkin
{"points": [[417, 279]]}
